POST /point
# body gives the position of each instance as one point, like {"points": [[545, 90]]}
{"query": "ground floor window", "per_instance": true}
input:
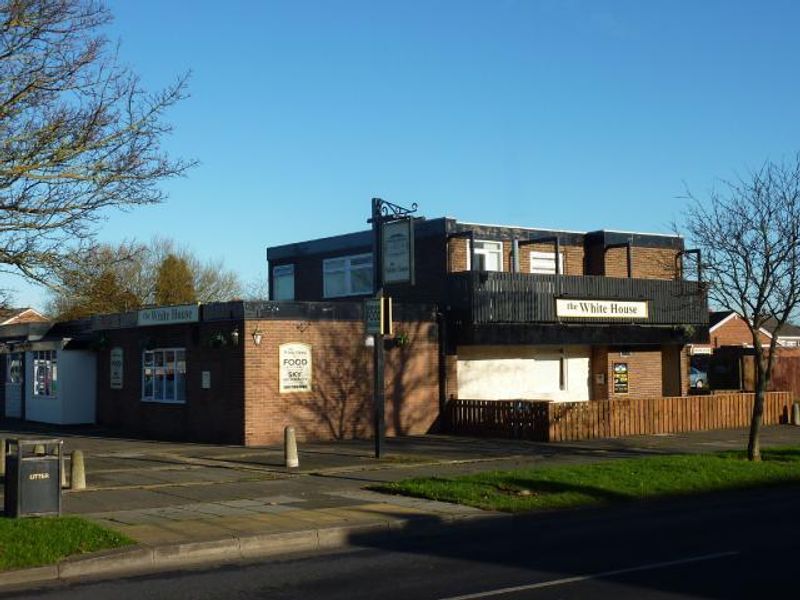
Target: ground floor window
{"points": [[14, 368], [164, 375], [45, 373]]}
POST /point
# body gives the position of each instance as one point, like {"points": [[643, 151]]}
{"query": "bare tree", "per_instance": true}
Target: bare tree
{"points": [[749, 234], [78, 134]]}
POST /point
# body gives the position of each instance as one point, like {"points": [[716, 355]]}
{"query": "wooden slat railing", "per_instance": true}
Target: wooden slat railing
{"points": [[570, 421]]}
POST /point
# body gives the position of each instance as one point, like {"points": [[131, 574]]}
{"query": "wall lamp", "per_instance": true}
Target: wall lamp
{"points": [[235, 336], [257, 336]]}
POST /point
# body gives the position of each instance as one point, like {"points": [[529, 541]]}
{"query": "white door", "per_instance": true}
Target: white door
{"points": [[14, 385]]}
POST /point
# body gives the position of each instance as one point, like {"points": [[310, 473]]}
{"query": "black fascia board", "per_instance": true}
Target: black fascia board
{"points": [[499, 232], [639, 240]]}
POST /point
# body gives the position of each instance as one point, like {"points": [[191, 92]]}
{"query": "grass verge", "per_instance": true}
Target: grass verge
{"points": [[35, 542], [621, 480]]}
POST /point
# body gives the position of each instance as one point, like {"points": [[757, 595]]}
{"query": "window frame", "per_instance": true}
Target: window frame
{"points": [[163, 400], [347, 269], [51, 363], [546, 255], [483, 251], [19, 364], [282, 271]]}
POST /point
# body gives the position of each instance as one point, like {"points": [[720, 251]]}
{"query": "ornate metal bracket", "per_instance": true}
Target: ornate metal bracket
{"points": [[386, 211]]}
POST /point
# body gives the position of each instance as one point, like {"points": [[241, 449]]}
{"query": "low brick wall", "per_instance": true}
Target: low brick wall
{"points": [[570, 421]]}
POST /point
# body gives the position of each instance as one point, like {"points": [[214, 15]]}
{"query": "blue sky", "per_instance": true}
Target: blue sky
{"points": [[561, 114]]}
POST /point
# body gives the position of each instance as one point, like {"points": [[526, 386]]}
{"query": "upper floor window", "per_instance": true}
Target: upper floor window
{"points": [[488, 256], [45, 373], [283, 282], [347, 275], [544, 263], [164, 375]]}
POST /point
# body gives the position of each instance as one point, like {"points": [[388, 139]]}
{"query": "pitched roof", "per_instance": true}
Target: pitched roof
{"points": [[717, 317], [11, 316], [786, 330]]}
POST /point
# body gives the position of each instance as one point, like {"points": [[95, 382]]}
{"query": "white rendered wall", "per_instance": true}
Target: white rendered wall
{"points": [[77, 372], [74, 402], [522, 373]]}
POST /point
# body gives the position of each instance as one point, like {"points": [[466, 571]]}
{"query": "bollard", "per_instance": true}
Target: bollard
{"points": [[290, 449], [77, 471], [39, 450], [796, 413], [62, 465], [3, 452]]}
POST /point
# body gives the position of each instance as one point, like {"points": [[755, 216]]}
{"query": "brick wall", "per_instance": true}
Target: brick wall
{"points": [[340, 403], [644, 373], [734, 332], [213, 415], [648, 263]]}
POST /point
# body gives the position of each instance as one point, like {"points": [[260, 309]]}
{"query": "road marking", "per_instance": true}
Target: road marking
{"points": [[566, 580]]}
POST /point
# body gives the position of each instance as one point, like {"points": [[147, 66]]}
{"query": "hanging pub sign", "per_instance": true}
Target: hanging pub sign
{"points": [[295, 367], [398, 251], [620, 378], [115, 363]]}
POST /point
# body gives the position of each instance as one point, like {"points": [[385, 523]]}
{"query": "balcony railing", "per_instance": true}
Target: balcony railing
{"points": [[490, 297]]}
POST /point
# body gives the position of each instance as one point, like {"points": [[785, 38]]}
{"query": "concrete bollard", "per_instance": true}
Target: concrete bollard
{"points": [[796, 413], [3, 452], [63, 468], [290, 449], [39, 450], [77, 471]]}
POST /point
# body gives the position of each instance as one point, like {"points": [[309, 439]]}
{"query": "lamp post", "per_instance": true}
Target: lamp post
{"points": [[384, 212]]}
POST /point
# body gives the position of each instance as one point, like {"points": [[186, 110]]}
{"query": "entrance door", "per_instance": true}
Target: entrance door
{"points": [[14, 385]]}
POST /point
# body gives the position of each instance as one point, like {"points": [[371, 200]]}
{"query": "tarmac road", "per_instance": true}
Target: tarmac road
{"points": [[735, 545]]}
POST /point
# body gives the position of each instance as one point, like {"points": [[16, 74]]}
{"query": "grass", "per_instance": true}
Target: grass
{"points": [[35, 542], [621, 480]]}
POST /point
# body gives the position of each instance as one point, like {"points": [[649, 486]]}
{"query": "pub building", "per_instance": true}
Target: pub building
{"points": [[491, 313], [528, 313]]}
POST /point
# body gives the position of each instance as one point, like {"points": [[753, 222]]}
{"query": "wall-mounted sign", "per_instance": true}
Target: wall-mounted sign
{"points": [[398, 251], [205, 380], [620, 378], [601, 309], [115, 363], [295, 367], [378, 316], [169, 315]]}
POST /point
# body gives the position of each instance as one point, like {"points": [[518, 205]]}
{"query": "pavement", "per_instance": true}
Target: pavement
{"points": [[185, 502]]}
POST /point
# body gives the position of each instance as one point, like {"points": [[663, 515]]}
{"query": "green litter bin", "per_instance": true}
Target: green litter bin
{"points": [[33, 479]]}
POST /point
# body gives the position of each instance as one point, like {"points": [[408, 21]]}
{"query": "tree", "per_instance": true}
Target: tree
{"points": [[74, 293], [175, 282], [78, 134], [749, 235]]}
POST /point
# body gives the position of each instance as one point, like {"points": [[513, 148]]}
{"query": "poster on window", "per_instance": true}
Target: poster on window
{"points": [[295, 367], [398, 251], [115, 362], [620, 378]]}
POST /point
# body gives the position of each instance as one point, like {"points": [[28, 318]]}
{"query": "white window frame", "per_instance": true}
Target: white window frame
{"points": [[47, 359], [163, 399], [282, 271], [498, 249], [347, 269], [549, 256]]}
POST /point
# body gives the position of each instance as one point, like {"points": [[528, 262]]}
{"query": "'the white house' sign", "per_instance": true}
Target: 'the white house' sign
{"points": [[601, 309]]}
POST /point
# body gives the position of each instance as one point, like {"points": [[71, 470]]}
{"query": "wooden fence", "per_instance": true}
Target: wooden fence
{"points": [[569, 421]]}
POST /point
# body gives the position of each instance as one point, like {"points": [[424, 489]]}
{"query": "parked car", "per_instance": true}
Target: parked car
{"points": [[697, 378]]}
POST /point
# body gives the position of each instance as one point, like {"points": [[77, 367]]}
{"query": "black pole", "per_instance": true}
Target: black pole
{"points": [[378, 392]]}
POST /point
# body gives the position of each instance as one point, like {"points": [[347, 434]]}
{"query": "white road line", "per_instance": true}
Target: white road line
{"points": [[566, 580]]}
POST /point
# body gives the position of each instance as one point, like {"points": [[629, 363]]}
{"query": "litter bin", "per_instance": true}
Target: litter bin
{"points": [[33, 480]]}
